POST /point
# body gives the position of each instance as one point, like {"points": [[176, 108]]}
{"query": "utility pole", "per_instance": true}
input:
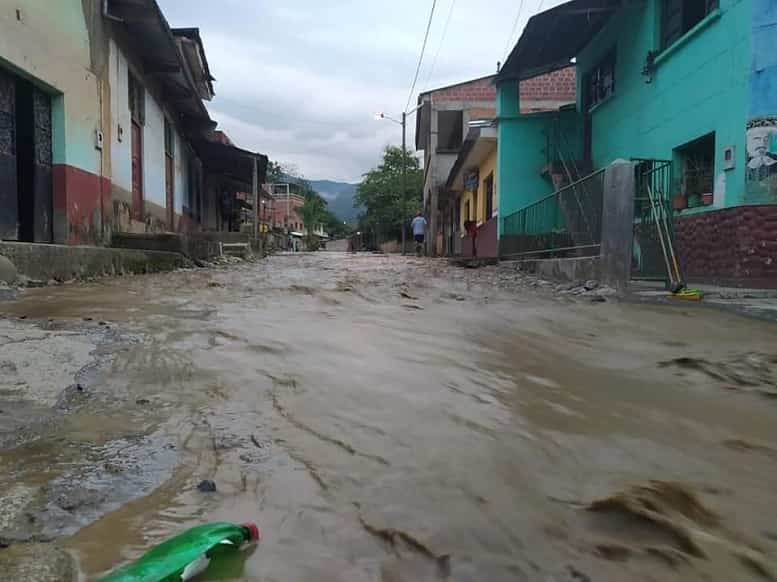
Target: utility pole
{"points": [[255, 189], [403, 195]]}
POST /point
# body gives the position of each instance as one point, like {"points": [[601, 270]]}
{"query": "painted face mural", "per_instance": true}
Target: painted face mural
{"points": [[761, 146], [762, 158]]}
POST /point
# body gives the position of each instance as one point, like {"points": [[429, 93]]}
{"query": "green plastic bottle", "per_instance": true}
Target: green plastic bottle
{"points": [[186, 555]]}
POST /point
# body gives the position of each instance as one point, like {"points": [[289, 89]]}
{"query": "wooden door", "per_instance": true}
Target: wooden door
{"points": [[9, 204], [170, 191], [137, 171]]}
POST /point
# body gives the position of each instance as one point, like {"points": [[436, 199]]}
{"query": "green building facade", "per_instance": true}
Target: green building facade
{"points": [[692, 83]]}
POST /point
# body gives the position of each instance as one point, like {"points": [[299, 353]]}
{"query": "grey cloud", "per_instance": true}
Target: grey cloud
{"points": [[301, 80]]}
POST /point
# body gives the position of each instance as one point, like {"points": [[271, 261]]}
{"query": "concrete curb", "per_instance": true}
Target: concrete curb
{"points": [[44, 262]]}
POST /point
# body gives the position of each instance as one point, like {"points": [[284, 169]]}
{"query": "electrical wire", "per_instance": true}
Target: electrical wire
{"points": [[439, 47], [421, 58], [515, 27]]}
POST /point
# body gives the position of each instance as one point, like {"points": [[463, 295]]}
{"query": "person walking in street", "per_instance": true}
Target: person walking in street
{"points": [[419, 232]]}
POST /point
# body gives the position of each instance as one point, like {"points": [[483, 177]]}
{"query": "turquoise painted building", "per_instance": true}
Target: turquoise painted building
{"points": [[689, 82]]}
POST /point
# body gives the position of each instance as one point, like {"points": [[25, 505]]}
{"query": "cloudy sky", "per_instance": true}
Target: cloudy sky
{"points": [[301, 80]]}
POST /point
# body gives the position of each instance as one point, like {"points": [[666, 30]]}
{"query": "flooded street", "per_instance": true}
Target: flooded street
{"points": [[389, 419]]}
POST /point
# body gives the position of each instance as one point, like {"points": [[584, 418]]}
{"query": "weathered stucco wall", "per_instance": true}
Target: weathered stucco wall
{"points": [[49, 44], [154, 153], [59, 46], [120, 144], [154, 175]]}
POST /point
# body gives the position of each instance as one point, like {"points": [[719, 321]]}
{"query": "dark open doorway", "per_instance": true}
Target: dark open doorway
{"points": [[25, 160], [26, 203]]}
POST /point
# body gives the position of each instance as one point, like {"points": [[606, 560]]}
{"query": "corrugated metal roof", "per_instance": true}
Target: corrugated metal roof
{"points": [[231, 162], [552, 38]]}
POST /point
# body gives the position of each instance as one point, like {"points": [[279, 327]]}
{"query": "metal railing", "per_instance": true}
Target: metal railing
{"points": [[566, 223], [653, 179]]}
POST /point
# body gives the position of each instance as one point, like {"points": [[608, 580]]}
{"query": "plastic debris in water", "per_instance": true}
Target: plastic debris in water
{"points": [[186, 555]]}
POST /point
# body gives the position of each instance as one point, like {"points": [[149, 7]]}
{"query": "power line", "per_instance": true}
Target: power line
{"points": [[515, 27], [439, 47], [421, 58]]}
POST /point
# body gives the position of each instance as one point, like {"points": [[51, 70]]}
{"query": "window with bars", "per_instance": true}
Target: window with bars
{"points": [[680, 16], [697, 168], [600, 81]]}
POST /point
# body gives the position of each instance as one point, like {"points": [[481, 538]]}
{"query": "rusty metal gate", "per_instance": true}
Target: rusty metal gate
{"points": [[653, 178]]}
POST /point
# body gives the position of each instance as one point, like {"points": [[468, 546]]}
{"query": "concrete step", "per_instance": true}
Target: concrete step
{"points": [[236, 249]]}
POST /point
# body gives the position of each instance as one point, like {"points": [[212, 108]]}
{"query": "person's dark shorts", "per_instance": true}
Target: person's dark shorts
{"points": [[419, 238]]}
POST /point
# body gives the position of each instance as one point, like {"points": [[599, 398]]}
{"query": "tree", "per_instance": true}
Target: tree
{"points": [[275, 172], [387, 206], [312, 213], [335, 227]]}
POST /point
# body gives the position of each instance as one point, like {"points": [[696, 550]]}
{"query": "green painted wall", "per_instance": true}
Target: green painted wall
{"points": [[521, 151], [699, 85]]}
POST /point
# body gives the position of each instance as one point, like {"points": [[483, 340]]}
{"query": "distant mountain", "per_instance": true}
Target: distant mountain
{"points": [[339, 196]]}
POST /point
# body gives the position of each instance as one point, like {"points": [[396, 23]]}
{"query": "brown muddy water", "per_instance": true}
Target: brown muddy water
{"points": [[390, 420]]}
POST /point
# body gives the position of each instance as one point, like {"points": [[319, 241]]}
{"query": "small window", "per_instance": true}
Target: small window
{"points": [[601, 80], [489, 194], [169, 139], [697, 169], [450, 128], [680, 16], [137, 100]]}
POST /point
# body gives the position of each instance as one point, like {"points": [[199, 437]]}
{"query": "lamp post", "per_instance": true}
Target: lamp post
{"points": [[403, 194]]}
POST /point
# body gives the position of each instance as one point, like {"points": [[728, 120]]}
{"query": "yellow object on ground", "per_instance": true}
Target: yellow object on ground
{"points": [[688, 295]]}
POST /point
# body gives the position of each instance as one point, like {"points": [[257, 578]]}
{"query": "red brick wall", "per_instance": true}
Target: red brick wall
{"points": [[734, 246], [559, 85], [556, 86], [282, 209], [480, 90]]}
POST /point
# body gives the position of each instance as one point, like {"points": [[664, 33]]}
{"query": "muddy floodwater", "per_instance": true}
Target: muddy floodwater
{"points": [[389, 420]]}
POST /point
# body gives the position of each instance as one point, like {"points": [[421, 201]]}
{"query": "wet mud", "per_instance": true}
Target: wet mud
{"points": [[387, 420]]}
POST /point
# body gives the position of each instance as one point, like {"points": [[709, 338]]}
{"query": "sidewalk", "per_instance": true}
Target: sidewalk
{"points": [[759, 303]]}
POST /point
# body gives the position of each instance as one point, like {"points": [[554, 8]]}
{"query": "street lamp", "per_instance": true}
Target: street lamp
{"points": [[379, 117]]}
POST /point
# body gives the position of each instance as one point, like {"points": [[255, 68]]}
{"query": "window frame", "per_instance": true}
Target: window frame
{"points": [[457, 136], [703, 175], [685, 25], [598, 88]]}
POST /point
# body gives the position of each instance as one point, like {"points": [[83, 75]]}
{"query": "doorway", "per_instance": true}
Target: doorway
{"points": [[170, 175], [137, 171], [137, 106], [26, 199]]}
